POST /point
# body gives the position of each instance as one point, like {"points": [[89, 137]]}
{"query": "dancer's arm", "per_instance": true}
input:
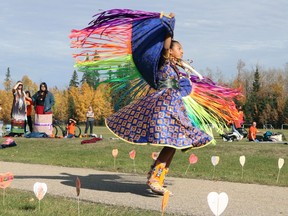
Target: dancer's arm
{"points": [[168, 40]]}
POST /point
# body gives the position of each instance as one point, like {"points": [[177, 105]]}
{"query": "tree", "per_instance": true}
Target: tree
{"points": [[285, 112], [74, 80], [91, 75], [256, 83], [92, 78], [251, 108], [6, 100], [29, 85], [8, 81], [60, 109]]}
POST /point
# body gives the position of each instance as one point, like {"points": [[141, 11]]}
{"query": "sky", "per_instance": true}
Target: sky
{"points": [[216, 34]]}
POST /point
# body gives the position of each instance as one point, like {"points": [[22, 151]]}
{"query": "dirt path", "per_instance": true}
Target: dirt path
{"points": [[190, 196]]}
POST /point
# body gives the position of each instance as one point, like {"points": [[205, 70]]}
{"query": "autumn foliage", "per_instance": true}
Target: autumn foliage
{"points": [[72, 102], [265, 91]]}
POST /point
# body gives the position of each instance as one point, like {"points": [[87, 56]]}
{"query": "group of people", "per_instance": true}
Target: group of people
{"points": [[89, 124], [23, 103], [43, 101]]}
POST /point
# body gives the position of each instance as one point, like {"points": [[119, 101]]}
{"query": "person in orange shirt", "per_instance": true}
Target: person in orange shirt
{"points": [[252, 132], [29, 104], [71, 128], [239, 122]]}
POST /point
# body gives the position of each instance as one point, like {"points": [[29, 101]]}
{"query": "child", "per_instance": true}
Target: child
{"points": [[71, 128], [29, 104]]}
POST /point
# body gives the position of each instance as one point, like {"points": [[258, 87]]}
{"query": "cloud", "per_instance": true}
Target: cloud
{"points": [[259, 45]]}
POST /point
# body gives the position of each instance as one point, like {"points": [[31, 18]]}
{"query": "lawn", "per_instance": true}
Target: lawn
{"points": [[261, 165]]}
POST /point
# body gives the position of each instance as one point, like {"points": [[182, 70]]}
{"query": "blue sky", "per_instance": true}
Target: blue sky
{"points": [[215, 34]]}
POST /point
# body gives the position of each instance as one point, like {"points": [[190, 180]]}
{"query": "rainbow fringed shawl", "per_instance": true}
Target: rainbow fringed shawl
{"points": [[125, 46]]}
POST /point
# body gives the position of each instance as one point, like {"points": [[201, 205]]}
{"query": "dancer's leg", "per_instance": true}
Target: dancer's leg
{"points": [[160, 169]]}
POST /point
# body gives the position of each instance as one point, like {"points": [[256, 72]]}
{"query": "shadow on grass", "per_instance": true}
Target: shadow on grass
{"points": [[102, 182]]}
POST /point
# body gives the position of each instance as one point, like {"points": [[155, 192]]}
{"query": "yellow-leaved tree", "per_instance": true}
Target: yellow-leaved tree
{"points": [[99, 99], [29, 85], [101, 103], [60, 109], [6, 100]]}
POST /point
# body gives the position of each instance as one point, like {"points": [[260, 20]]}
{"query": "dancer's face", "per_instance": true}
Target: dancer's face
{"points": [[176, 51]]}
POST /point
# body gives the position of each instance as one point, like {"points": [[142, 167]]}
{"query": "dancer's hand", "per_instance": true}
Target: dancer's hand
{"points": [[171, 15]]}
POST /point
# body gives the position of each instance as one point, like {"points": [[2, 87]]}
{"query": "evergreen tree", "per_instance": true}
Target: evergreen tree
{"points": [[92, 78], [74, 80], [256, 83], [251, 108], [90, 75], [8, 81]]}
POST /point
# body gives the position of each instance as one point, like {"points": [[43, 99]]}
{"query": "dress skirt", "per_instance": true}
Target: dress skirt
{"points": [[158, 119]]}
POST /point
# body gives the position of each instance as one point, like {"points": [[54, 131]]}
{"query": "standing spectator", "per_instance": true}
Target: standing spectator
{"points": [[43, 101], [18, 112], [29, 104], [89, 121], [252, 132]]}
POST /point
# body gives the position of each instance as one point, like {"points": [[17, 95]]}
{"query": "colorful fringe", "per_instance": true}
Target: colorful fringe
{"points": [[210, 105]]}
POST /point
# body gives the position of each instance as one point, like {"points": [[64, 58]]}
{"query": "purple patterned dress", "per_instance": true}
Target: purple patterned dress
{"points": [[159, 118]]}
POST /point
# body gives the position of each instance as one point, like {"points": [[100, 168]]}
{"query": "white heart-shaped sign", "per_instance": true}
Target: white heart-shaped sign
{"points": [[242, 160], [280, 163], [217, 202], [40, 190], [215, 160]]}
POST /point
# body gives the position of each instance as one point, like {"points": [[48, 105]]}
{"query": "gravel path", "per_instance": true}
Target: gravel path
{"points": [[190, 195]]}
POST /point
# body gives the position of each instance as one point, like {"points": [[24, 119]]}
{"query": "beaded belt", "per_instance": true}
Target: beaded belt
{"points": [[168, 83]]}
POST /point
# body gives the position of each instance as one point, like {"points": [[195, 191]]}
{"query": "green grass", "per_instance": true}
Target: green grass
{"points": [[20, 203], [261, 159], [261, 167]]}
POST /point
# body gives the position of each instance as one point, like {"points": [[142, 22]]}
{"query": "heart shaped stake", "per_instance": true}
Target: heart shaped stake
{"points": [[115, 154], [155, 155], [192, 160], [242, 160], [165, 201], [217, 202], [6, 179], [280, 165], [78, 186], [214, 161], [40, 190], [132, 155]]}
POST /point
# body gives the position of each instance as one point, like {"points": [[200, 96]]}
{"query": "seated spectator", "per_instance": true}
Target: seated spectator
{"points": [[252, 132], [71, 128]]}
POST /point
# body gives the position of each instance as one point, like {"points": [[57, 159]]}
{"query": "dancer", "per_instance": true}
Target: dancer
{"points": [[172, 114]]}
